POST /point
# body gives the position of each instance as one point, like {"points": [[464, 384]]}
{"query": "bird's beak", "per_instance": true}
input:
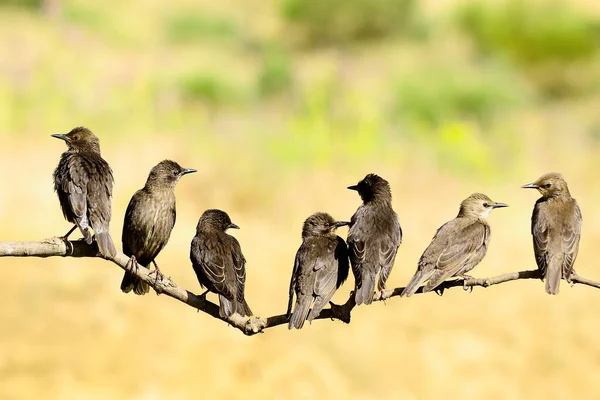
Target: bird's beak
{"points": [[233, 226], [61, 136], [341, 223], [499, 205], [353, 187], [530, 186], [188, 171]]}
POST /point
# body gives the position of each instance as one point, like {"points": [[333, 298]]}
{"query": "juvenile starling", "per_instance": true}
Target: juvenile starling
{"points": [[84, 182], [219, 263], [457, 247], [149, 220], [556, 229], [373, 238], [321, 266]]}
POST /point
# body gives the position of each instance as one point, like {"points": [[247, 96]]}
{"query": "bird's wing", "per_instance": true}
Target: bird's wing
{"points": [[293, 279], [239, 265], [213, 260], [540, 233], [325, 270], [76, 188], [99, 191], [461, 247], [570, 234], [455, 251], [341, 255], [357, 253]]}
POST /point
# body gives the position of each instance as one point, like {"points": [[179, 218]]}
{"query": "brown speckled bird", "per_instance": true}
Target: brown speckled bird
{"points": [[83, 181], [373, 238], [149, 220], [321, 266], [219, 263], [556, 229], [457, 247]]}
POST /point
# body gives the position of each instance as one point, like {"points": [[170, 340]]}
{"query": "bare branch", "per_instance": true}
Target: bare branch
{"points": [[248, 325]]}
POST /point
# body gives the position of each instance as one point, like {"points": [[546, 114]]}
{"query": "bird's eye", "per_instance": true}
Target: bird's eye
{"points": [[175, 173], [485, 204], [76, 137], [547, 185]]}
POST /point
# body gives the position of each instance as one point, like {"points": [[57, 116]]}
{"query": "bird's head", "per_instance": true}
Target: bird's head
{"points": [[320, 224], [166, 174], [479, 206], [373, 187], [80, 139], [215, 219], [549, 185]]}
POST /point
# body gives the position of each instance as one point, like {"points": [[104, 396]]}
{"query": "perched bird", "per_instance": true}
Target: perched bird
{"points": [[321, 266], [219, 263], [84, 182], [556, 229], [149, 220], [373, 238], [457, 247]]}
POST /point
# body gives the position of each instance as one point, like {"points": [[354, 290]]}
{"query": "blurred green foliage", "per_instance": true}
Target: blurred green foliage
{"points": [[540, 38], [432, 95], [325, 22], [189, 25], [275, 74], [210, 88], [28, 4]]}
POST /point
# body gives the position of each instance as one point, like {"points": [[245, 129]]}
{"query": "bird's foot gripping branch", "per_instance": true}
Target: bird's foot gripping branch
{"points": [[57, 247]]}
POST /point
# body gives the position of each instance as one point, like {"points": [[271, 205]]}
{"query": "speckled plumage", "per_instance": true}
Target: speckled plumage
{"points": [[373, 238], [556, 230], [321, 266], [83, 182], [149, 220], [457, 247], [218, 262]]}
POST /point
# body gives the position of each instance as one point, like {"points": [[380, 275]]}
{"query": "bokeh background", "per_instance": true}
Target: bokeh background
{"points": [[281, 104]]}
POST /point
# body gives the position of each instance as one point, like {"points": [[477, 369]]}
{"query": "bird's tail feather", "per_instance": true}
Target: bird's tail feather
{"points": [[415, 283], [320, 303], [436, 278], [364, 293], [244, 309], [131, 282], [553, 275], [300, 312], [226, 307], [105, 244]]}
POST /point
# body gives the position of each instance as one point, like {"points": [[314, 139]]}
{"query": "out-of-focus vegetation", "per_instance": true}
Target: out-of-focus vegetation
{"points": [[280, 105]]}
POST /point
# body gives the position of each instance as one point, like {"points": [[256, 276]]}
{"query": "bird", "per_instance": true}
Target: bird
{"points": [[457, 247], [83, 182], [373, 238], [149, 220], [556, 230], [218, 262], [321, 266]]}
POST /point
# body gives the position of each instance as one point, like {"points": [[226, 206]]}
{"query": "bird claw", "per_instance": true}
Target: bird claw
{"points": [[465, 287], [132, 265]]}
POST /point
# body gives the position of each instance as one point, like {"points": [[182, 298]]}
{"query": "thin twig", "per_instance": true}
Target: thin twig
{"points": [[56, 247]]}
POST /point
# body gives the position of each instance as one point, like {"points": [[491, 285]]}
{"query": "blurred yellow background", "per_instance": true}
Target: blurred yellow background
{"points": [[280, 105]]}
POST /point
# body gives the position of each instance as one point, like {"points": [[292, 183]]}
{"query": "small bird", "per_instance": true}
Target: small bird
{"points": [[219, 263], [321, 267], [556, 229], [373, 238], [83, 181], [149, 220], [457, 247]]}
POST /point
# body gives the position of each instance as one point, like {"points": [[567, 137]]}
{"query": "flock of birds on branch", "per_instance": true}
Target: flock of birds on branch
{"points": [[83, 181]]}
